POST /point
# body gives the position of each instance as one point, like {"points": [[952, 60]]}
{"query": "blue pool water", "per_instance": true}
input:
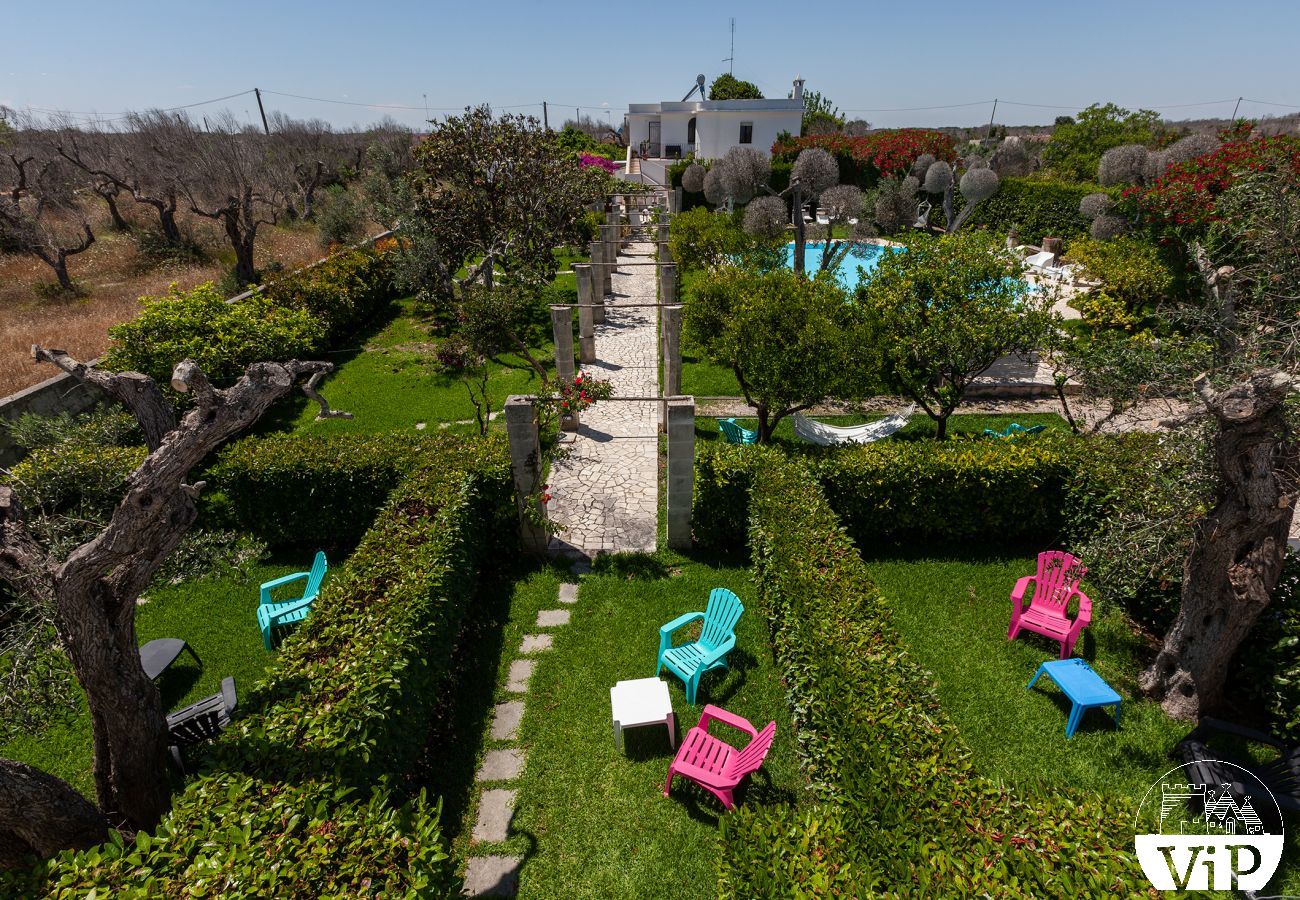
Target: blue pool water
{"points": [[857, 264]]}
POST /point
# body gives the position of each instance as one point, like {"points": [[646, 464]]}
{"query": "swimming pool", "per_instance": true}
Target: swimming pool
{"points": [[864, 257]]}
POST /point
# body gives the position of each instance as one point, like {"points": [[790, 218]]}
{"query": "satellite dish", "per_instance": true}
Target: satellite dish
{"points": [[700, 79]]}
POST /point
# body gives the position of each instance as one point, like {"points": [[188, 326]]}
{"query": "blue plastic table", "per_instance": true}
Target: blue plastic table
{"points": [[1082, 685]]}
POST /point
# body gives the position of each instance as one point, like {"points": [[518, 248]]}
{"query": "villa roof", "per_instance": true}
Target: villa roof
{"points": [[695, 106]]}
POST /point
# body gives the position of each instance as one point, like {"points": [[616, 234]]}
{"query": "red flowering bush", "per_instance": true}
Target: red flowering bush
{"points": [[569, 397], [1186, 195], [881, 154]]}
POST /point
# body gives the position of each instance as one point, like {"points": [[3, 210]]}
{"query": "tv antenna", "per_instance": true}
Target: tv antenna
{"points": [[731, 69]]}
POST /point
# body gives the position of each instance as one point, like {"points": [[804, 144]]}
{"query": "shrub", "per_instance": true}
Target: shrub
{"points": [[223, 338], [1034, 209], [311, 489], [339, 216], [1131, 273], [105, 426], [312, 769], [900, 808], [343, 291], [701, 239]]}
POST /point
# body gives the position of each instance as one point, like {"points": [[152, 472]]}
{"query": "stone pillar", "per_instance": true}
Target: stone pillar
{"points": [[675, 205], [562, 326], [663, 232], [665, 252], [681, 471], [597, 302], [526, 466], [610, 238], [597, 251], [672, 328], [586, 333], [668, 283]]}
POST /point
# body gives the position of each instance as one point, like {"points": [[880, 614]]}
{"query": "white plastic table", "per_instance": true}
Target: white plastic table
{"points": [[643, 701]]}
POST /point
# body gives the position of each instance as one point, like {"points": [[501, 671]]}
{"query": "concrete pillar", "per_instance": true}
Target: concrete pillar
{"points": [[672, 329], [526, 466], [681, 471], [665, 252], [610, 238], [562, 326], [663, 232], [675, 205], [586, 331], [598, 303]]}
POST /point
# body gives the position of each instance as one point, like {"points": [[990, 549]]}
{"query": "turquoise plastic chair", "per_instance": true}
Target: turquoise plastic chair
{"points": [[1015, 429], [735, 434], [272, 613], [717, 638]]}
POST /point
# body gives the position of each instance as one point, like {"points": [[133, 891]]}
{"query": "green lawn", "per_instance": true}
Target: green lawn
{"points": [[216, 617], [591, 821], [390, 381], [954, 613], [921, 426]]}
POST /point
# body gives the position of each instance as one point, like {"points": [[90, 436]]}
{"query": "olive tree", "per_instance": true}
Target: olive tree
{"points": [[936, 177], [941, 313], [39, 210]]}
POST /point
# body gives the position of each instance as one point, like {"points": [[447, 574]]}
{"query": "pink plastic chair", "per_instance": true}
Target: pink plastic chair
{"points": [[715, 765], [1055, 585]]}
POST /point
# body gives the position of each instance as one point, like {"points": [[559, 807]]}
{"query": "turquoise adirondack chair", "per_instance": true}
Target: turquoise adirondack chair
{"points": [[272, 613], [1015, 429], [717, 638], [735, 434]]}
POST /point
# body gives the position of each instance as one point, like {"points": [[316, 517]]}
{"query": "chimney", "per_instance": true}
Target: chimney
{"points": [[798, 88]]}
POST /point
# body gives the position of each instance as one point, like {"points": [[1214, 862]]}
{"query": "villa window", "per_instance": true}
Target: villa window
{"points": [[747, 132]]}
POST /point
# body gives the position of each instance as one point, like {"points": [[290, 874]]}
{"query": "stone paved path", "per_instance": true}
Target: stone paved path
{"points": [[605, 496], [490, 874]]}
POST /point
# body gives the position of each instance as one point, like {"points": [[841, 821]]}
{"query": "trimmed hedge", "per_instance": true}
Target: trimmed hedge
{"points": [[938, 492], [899, 808], [342, 291], [311, 489], [305, 774], [1035, 209]]}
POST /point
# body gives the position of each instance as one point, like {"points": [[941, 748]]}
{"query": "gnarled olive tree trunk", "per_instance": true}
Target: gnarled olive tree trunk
{"points": [[94, 592], [1237, 554]]}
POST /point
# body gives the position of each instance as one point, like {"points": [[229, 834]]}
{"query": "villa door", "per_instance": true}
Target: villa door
{"points": [[653, 150]]}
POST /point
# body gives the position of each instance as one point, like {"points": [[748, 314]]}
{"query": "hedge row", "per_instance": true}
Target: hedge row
{"points": [[310, 489], [899, 808], [301, 315], [938, 493], [296, 796], [1035, 209]]}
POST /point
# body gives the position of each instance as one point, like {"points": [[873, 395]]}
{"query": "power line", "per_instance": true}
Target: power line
{"points": [[1267, 103], [920, 108]]}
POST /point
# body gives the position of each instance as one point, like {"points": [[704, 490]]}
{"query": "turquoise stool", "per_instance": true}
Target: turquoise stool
{"points": [[1082, 685]]}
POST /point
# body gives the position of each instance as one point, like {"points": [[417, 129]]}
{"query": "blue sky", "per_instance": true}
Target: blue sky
{"points": [[875, 57]]}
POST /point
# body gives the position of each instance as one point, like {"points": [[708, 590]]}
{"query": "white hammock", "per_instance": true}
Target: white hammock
{"points": [[828, 435]]}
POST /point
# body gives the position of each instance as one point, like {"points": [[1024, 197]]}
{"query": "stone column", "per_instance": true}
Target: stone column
{"points": [[681, 471], [676, 203], [610, 238], [562, 326], [668, 283], [665, 252], [597, 251], [526, 466], [663, 232], [597, 302], [586, 331], [672, 328]]}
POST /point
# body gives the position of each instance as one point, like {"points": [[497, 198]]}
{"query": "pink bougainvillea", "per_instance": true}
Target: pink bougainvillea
{"points": [[587, 160]]}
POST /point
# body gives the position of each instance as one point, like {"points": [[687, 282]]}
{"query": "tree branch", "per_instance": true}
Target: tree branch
{"points": [[325, 412], [136, 392]]}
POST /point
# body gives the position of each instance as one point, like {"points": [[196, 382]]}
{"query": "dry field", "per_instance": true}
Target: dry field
{"points": [[116, 275]]}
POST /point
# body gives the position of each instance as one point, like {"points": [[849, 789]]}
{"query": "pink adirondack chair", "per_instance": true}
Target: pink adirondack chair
{"points": [[1055, 585], [715, 765]]}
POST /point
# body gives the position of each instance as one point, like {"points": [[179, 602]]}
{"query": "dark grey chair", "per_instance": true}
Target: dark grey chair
{"points": [[1281, 776], [201, 721]]}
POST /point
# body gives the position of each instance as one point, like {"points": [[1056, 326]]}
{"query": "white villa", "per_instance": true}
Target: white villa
{"points": [[709, 128]]}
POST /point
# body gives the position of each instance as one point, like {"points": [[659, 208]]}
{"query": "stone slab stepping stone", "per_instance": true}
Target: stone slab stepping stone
{"points": [[536, 643], [495, 810], [520, 671], [505, 720], [493, 876], [501, 765], [550, 618], [568, 593]]}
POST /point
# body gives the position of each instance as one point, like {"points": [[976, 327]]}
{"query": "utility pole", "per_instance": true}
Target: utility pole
{"points": [[546, 122], [1235, 108], [265, 127], [426, 106], [988, 134]]}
